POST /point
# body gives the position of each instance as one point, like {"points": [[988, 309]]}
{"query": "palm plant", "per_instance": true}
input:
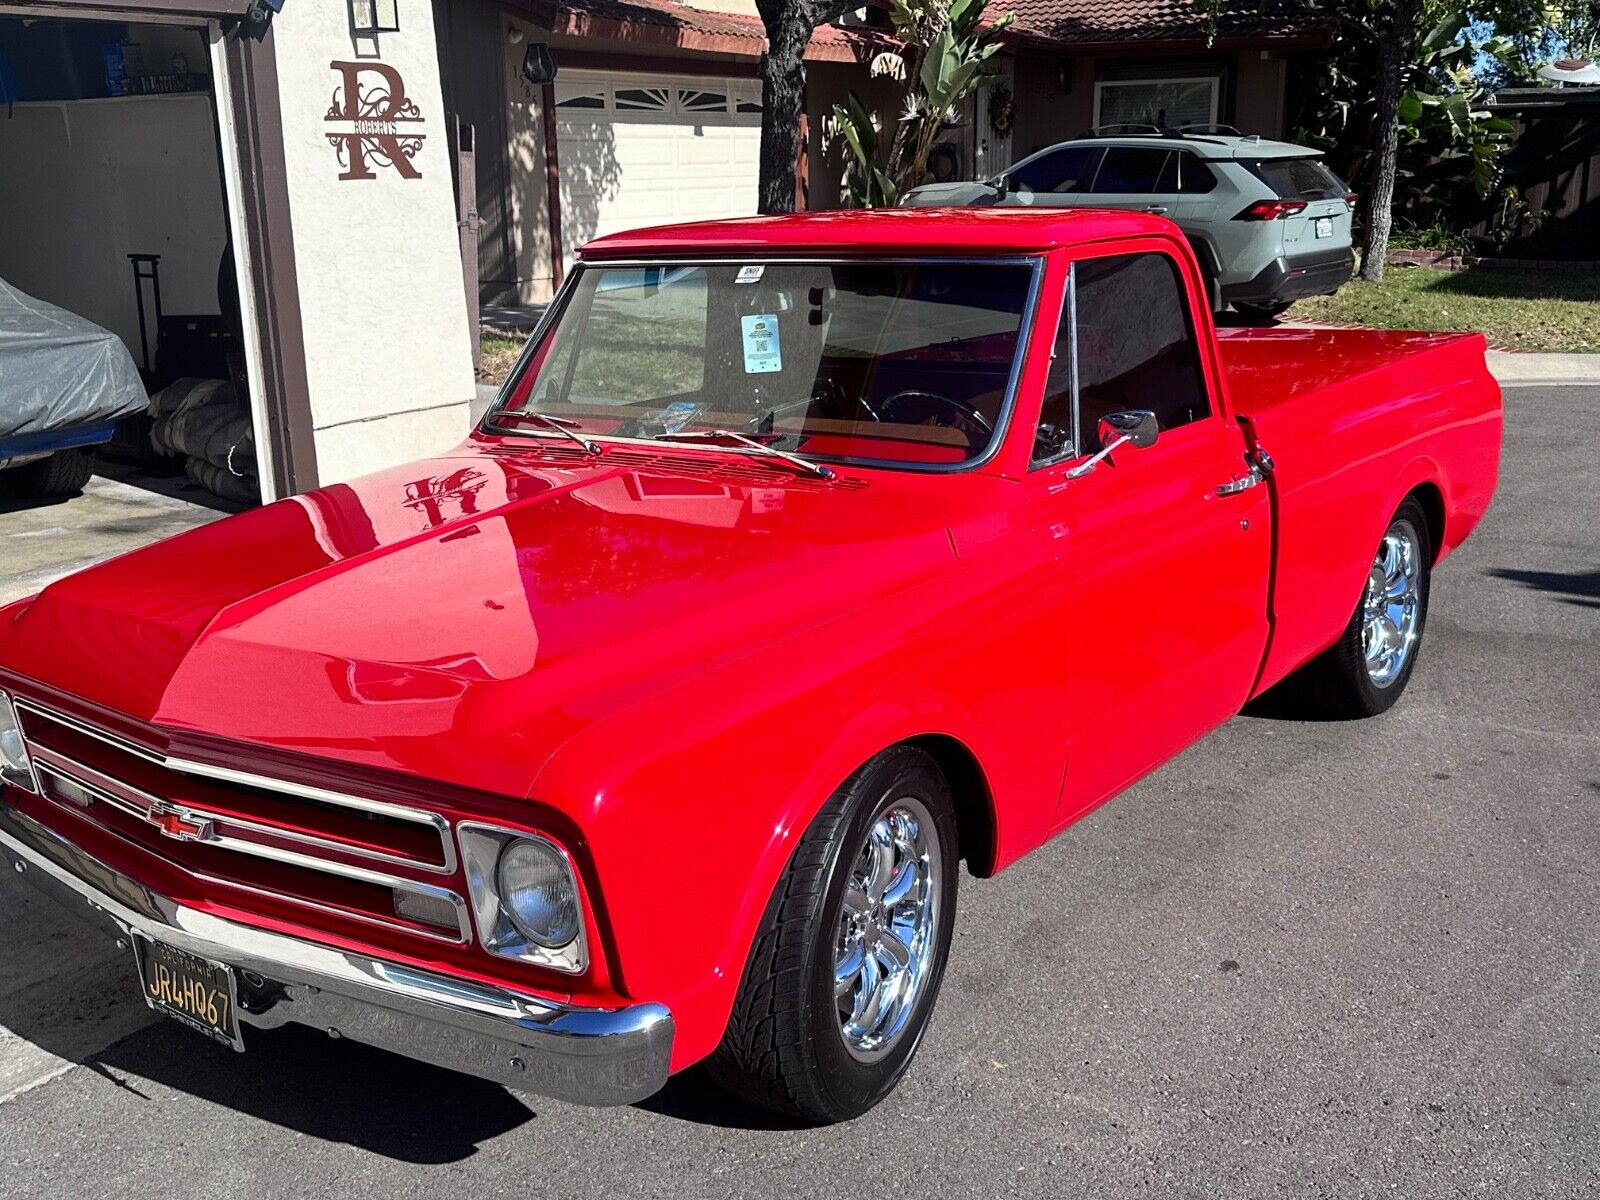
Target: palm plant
{"points": [[946, 48]]}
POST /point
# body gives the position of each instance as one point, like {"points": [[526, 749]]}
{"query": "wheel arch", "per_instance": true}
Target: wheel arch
{"points": [[1425, 481], [976, 820], [1210, 262], [1431, 497]]}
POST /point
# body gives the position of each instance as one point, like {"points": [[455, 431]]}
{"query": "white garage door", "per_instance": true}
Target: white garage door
{"points": [[639, 150]]}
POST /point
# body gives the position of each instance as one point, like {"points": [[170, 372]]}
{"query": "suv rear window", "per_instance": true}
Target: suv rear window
{"points": [[1298, 178]]}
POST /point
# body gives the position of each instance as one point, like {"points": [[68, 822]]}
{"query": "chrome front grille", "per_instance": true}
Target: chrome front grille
{"points": [[355, 857]]}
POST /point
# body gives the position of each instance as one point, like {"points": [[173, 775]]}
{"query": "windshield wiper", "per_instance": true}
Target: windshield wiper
{"points": [[562, 426], [728, 435]]}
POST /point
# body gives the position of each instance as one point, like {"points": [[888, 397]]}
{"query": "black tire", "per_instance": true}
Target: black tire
{"points": [[1338, 683], [784, 1048], [1263, 312], [64, 473]]}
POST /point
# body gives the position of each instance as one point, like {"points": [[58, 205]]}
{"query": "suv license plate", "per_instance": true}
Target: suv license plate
{"points": [[1324, 226], [202, 994]]}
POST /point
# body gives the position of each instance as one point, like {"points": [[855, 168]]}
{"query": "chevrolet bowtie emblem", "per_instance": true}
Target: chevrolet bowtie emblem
{"points": [[177, 823]]}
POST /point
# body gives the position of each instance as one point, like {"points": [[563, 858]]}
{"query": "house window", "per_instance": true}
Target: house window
{"points": [[748, 103], [1166, 103]]}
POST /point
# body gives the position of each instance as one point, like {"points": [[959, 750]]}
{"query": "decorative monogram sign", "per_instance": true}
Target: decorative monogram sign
{"points": [[372, 122]]}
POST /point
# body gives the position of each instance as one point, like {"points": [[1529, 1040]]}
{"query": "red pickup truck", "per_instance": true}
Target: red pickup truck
{"points": [[800, 561]]}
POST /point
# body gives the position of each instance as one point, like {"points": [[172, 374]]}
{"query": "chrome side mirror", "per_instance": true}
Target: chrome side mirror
{"points": [[1136, 428]]}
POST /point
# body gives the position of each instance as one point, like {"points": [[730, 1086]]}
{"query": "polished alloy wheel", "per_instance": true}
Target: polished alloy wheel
{"points": [[888, 928], [1391, 611]]}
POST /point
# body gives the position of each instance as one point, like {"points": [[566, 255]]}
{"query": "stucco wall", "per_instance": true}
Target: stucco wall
{"points": [[382, 300], [1046, 114], [528, 202]]}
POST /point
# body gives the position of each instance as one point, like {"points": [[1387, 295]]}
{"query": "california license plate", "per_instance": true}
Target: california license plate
{"points": [[202, 994], [1324, 226]]}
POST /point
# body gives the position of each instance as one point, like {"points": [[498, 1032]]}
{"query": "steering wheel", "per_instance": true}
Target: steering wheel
{"points": [[914, 406], [831, 393]]}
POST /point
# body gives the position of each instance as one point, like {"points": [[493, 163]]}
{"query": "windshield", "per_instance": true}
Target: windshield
{"points": [[906, 363]]}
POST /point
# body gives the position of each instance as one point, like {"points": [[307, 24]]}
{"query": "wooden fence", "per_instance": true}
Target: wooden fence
{"points": [[1554, 164]]}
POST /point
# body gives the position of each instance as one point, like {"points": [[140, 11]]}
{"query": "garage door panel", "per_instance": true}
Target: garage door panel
{"points": [[624, 169]]}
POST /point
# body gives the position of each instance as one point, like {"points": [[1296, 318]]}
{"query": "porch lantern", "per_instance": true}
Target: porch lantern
{"points": [[369, 18]]}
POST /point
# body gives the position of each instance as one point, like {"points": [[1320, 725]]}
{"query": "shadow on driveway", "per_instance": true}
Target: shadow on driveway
{"points": [[338, 1091], [1581, 588]]}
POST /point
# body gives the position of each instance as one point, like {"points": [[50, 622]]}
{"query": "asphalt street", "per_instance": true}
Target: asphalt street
{"points": [[1307, 959]]}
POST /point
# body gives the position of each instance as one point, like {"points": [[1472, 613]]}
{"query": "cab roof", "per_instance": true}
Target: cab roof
{"points": [[953, 231]]}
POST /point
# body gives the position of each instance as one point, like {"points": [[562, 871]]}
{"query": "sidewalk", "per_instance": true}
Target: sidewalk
{"points": [[1523, 370]]}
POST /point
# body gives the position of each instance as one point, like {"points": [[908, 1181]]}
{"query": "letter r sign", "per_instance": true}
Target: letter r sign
{"points": [[372, 122]]}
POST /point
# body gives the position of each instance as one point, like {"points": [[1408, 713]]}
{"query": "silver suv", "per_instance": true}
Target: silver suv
{"points": [[1268, 221]]}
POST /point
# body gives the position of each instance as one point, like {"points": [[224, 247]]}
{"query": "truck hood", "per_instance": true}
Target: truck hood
{"points": [[461, 617]]}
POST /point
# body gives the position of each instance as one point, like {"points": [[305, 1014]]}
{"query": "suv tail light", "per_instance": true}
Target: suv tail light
{"points": [[1271, 210], [1350, 199]]}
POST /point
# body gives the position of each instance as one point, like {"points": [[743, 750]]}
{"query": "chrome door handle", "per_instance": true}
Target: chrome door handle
{"points": [[1241, 484], [1158, 209]]}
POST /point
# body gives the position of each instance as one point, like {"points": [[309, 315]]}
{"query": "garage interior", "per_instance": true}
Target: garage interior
{"points": [[113, 208]]}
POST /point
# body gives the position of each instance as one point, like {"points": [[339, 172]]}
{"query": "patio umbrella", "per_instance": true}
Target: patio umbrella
{"points": [[1571, 70]]}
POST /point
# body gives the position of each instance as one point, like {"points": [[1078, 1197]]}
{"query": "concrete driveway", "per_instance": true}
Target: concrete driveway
{"points": [[1303, 959]]}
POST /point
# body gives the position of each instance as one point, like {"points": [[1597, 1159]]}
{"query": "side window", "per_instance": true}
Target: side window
{"points": [[1130, 170], [1128, 317], [1136, 347], [1065, 170], [1053, 439], [1195, 178]]}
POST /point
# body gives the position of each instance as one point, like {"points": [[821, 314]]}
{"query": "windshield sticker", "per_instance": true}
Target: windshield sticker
{"points": [[761, 352], [750, 274], [678, 414]]}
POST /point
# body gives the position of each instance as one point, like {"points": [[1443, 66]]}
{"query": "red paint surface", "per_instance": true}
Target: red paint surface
{"points": [[669, 660]]}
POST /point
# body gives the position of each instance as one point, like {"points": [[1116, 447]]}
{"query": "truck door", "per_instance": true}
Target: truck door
{"points": [[1164, 552]]}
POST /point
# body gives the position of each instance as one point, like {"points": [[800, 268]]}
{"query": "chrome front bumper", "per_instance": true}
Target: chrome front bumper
{"points": [[586, 1055]]}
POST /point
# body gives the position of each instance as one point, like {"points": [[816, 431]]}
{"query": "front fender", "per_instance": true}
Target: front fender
{"points": [[693, 800]]}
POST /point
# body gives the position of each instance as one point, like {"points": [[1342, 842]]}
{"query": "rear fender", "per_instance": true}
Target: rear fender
{"points": [[1421, 471]]}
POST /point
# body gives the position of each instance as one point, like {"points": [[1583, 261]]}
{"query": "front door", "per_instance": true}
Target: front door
{"points": [[996, 114], [1164, 576]]}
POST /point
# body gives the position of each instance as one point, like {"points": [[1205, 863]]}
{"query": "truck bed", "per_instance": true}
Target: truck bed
{"points": [[1356, 420]]}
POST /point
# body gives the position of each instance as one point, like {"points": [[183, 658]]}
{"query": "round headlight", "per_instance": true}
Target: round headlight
{"points": [[15, 768], [537, 893]]}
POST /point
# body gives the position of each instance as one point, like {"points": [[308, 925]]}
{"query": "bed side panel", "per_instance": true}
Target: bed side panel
{"points": [[1348, 452]]}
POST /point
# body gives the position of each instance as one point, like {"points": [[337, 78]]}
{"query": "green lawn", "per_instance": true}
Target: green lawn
{"points": [[1516, 310], [499, 356]]}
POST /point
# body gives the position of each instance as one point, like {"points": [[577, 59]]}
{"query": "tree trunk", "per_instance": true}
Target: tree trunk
{"points": [[1380, 194], [783, 90]]}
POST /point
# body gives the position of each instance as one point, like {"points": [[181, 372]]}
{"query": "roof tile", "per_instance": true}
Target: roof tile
{"points": [[1115, 21]]}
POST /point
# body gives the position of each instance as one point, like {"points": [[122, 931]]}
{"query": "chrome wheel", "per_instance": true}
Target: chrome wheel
{"points": [[888, 928], [1392, 609]]}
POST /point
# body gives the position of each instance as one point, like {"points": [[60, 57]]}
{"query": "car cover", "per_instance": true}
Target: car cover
{"points": [[59, 371]]}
